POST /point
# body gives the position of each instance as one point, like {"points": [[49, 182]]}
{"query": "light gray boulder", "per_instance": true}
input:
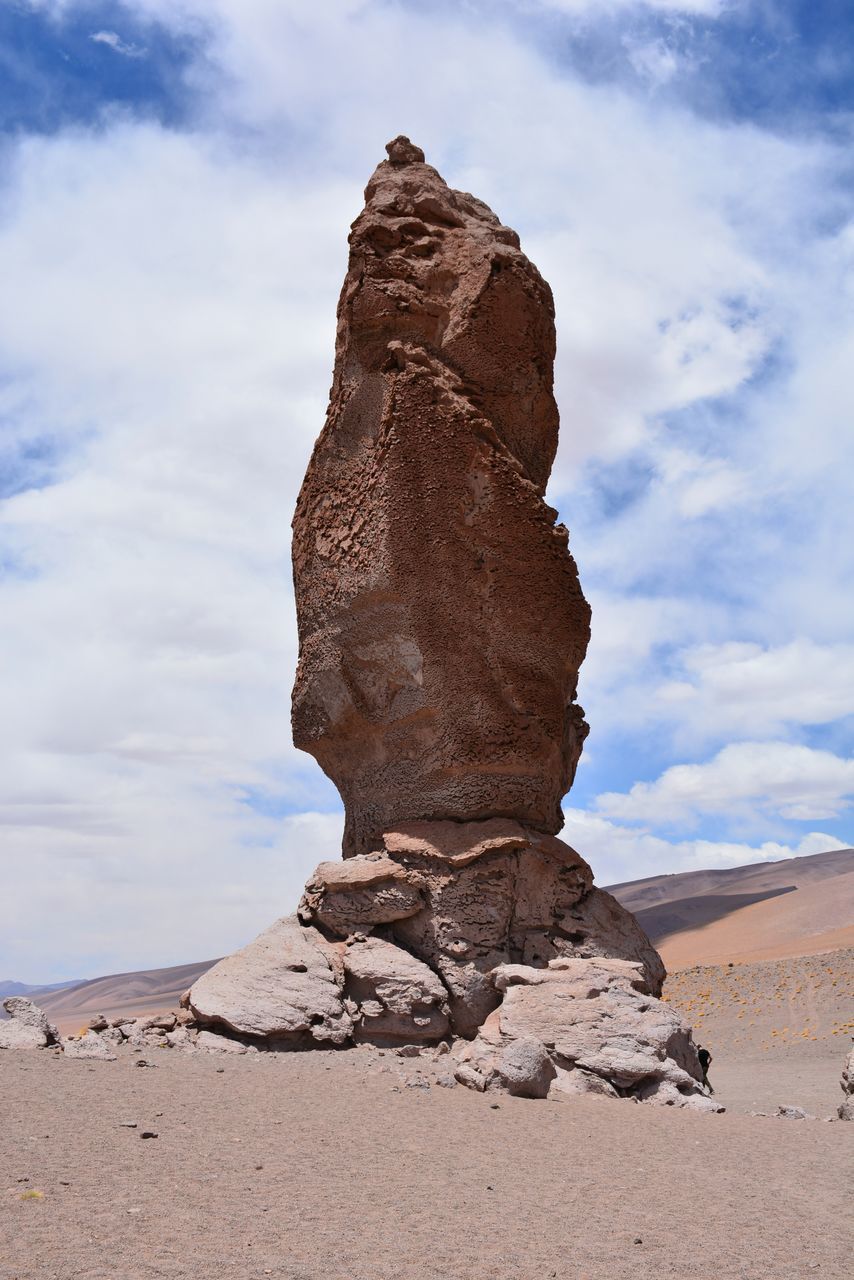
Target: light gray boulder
{"points": [[524, 1068], [210, 1042], [282, 985], [27, 1027], [89, 1046], [597, 1020], [180, 1038], [396, 998]]}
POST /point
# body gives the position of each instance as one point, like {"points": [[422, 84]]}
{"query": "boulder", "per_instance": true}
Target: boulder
{"points": [[397, 998], [281, 985], [88, 1046], [27, 1027], [159, 1022], [366, 890], [793, 1113], [180, 1038], [524, 1068], [595, 1017], [18, 1035], [213, 1043]]}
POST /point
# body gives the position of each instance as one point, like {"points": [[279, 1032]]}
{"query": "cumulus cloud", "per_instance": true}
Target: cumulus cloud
{"points": [[115, 42], [740, 686], [745, 778], [619, 853]]}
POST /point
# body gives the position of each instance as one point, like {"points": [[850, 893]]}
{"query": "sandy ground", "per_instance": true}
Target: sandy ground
{"points": [[337, 1166], [320, 1165]]}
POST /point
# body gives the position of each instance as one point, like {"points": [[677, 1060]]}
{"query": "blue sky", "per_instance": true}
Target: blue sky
{"points": [[176, 185]]}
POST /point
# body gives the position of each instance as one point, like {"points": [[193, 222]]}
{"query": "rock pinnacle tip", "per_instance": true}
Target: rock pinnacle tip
{"points": [[402, 151]]}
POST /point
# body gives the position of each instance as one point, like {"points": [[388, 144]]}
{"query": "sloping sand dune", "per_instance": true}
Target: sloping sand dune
{"points": [[766, 911]]}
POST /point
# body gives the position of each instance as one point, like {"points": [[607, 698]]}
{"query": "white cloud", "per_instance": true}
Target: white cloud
{"points": [[115, 42], [747, 687], [618, 853], [596, 8], [745, 778], [108, 887], [653, 60]]}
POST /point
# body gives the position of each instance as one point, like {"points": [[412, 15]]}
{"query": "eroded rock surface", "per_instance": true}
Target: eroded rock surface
{"points": [[89, 1046], [598, 1025], [27, 1027], [481, 894], [395, 998], [280, 985], [440, 616]]}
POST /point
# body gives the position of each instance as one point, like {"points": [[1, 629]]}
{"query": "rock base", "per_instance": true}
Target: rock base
{"points": [[487, 932]]}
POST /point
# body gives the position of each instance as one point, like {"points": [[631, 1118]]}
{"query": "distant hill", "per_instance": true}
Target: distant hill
{"points": [[10, 988], [764, 911], [121, 994]]}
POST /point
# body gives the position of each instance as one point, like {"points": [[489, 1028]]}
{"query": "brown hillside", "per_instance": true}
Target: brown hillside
{"points": [[765, 911]]}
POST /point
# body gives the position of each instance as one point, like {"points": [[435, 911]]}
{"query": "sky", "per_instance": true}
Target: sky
{"points": [[177, 179]]}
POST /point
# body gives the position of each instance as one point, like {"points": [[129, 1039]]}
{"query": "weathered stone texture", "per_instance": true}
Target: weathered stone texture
{"points": [[481, 894], [600, 1028], [441, 620], [27, 1027], [280, 985]]}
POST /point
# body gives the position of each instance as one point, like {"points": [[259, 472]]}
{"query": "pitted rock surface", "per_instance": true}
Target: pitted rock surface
{"points": [[482, 894], [280, 985], [440, 615], [398, 999], [601, 1029], [27, 1027]]}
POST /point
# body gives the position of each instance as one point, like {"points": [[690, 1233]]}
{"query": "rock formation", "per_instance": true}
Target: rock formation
{"points": [[441, 620], [442, 626], [27, 1026]]}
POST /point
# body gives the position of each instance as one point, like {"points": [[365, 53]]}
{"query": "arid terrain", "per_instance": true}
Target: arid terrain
{"points": [[765, 911], [359, 1165], [331, 1165]]}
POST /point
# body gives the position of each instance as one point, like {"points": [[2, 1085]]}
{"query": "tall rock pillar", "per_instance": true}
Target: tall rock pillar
{"points": [[441, 619], [442, 626]]}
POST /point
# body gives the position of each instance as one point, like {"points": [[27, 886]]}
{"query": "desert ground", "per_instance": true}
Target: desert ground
{"points": [[358, 1164]]}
